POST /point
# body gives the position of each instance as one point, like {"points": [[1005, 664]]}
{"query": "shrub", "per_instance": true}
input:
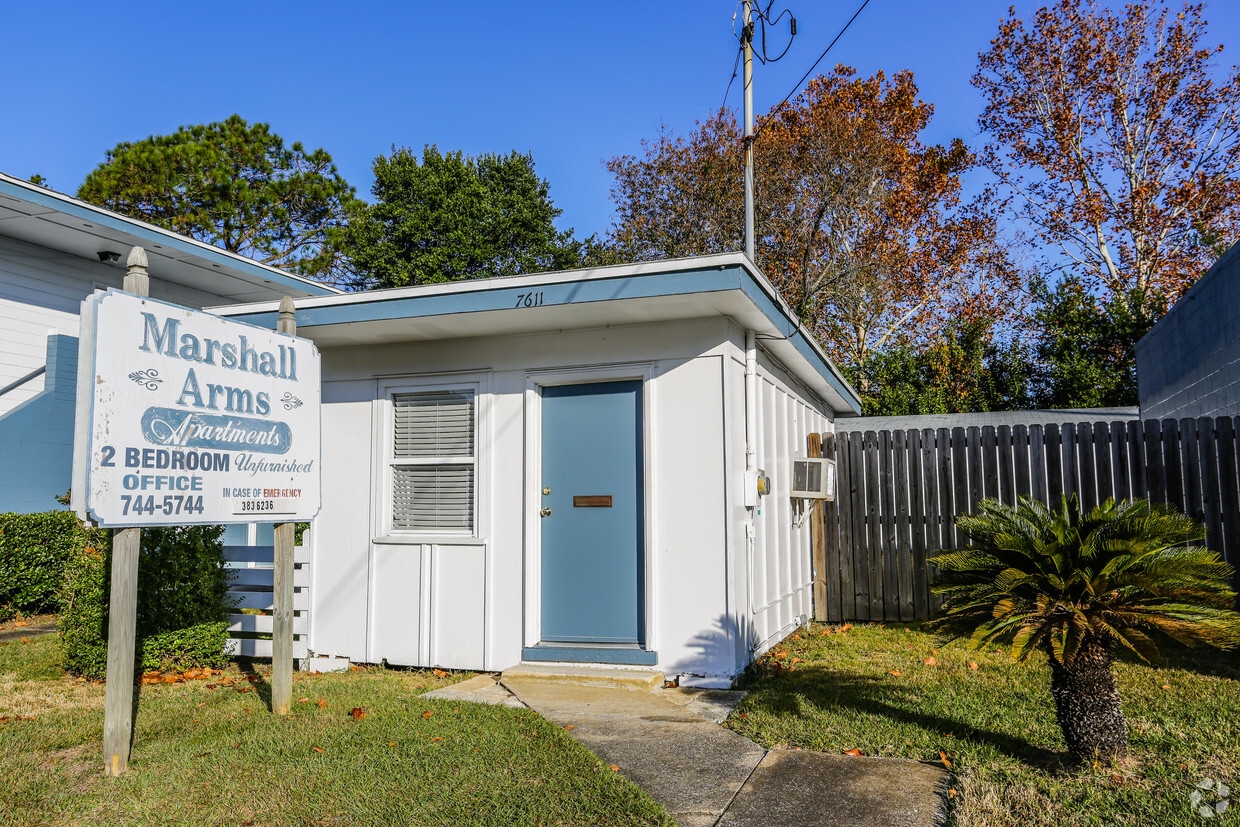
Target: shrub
{"points": [[182, 598], [34, 550]]}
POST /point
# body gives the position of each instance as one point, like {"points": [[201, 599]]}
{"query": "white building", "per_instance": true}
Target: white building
{"points": [[553, 468]]}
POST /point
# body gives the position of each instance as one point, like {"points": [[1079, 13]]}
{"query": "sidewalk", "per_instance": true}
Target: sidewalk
{"points": [[669, 743]]}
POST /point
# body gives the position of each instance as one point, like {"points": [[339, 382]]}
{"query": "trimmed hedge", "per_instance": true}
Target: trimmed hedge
{"points": [[34, 551], [182, 599]]}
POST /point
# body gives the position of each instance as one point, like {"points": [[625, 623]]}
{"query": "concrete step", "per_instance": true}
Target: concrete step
{"points": [[644, 680]]}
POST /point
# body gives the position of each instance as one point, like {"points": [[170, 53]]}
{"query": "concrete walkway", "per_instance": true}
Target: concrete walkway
{"points": [[10, 632], [669, 743]]}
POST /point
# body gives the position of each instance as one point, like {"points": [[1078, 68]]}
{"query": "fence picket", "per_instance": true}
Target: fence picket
{"points": [[1190, 461], [1171, 463], [1004, 456], [888, 547], [920, 524], [846, 497], [903, 545], [1210, 483], [1020, 459], [1084, 457], [830, 537], [1119, 461], [1229, 492], [1068, 448]]}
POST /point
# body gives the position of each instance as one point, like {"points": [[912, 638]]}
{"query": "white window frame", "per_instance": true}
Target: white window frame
{"points": [[385, 424]]}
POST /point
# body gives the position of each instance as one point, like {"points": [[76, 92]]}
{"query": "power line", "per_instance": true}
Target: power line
{"points": [[727, 91], [819, 60]]}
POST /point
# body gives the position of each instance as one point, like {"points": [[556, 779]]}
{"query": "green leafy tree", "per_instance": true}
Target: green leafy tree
{"points": [[1073, 587], [1086, 347], [237, 186], [449, 217], [962, 371]]}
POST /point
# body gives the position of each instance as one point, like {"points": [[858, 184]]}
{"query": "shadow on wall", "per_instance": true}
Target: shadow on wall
{"points": [[714, 655]]}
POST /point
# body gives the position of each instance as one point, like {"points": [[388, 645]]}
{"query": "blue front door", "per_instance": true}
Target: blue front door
{"points": [[591, 490]]}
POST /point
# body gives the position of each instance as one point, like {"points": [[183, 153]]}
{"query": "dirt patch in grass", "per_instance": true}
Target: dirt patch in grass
{"points": [[78, 765]]}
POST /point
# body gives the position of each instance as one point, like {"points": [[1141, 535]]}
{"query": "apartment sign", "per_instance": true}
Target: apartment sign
{"points": [[187, 418]]}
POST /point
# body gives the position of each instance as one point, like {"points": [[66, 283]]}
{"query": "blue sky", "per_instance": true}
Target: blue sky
{"points": [[573, 83]]}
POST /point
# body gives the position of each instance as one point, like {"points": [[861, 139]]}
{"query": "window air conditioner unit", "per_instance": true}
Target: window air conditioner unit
{"points": [[813, 479]]}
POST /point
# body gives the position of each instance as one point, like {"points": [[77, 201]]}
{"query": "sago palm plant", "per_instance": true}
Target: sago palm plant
{"points": [[1075, 586]]}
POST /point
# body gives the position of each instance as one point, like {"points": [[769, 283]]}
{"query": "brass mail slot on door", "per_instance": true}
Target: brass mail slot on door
{"points": [[602, 501]]}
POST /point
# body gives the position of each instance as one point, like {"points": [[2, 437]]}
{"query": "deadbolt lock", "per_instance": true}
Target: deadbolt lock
{"points": [[546, 512], [546, 491]]}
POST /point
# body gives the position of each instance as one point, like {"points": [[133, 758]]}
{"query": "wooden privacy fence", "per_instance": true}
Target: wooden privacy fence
{"points": [[899, 493], [253, 574]]}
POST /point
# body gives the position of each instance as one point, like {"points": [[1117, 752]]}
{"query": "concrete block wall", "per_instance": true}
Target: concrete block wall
{"points": [[36, 438], [1188, 365]]}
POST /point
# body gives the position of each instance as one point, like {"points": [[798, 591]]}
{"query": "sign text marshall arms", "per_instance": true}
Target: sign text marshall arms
{"points": [[193, 418]]}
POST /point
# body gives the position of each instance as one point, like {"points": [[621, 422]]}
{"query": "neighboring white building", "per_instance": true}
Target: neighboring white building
{"points": [[552, 467], [54, 251]]}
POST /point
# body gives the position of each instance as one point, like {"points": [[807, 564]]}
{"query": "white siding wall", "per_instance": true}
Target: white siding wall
{"points": [[41, 291], [781, 571], [464, 604]]}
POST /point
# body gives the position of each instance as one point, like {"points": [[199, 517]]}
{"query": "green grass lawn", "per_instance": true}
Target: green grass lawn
{"points": [[996, 725], [206, 755]]}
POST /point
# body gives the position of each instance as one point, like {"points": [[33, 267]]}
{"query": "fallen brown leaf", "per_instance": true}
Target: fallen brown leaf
{"points": [[895, 672], [930, 661], [391, 743], [946, 761], [798, 660], [439, 673], [322, 703], [951, 793], [303, 700], [427, 714], [25, 640], [436, 739], [855, 753], [317, 749], [973, 665], [615, 768], [357, 713], [570, 726]]}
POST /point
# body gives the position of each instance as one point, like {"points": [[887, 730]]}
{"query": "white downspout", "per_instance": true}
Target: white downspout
{"points": [[751, 467]]}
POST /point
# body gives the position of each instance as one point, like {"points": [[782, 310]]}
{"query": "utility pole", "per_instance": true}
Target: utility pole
{"points": [[747, 46]]}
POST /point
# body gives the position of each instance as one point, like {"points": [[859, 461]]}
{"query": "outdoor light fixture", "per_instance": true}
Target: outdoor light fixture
{"points": [[108, 257]]}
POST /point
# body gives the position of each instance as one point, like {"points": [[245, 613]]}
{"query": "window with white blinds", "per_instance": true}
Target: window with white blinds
{"points": [[433, 461]]}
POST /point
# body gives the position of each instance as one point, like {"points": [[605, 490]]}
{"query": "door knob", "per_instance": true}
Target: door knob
{"points": [[546, 512]]}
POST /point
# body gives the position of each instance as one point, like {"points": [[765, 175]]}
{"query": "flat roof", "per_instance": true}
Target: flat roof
{"points": [[659, 291], [38, 215]]}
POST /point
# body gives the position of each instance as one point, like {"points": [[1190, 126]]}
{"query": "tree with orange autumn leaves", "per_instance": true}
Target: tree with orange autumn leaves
{"points": [[860, 225], [1112, 139]]}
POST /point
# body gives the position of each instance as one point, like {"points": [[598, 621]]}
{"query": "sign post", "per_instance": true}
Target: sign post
{"points": [[123, 602], [282, 623], [185, 418]]}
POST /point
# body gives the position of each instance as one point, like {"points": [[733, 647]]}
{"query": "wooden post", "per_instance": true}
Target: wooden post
{"points": [[817, 540], [282, 624], [123, 603]]}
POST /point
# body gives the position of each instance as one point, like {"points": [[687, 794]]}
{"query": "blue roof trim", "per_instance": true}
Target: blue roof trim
{"points": [[119, 222], [497, 295], [792, 330], [507, 297]]}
